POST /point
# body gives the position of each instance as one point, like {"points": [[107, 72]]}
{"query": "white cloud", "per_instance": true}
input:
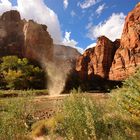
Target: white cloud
{"points": [[5, 5], [100, 9], [91, 46], [87, 3], [67, 41], [111, 28], [73, 13], [66, 3], [38, 11]]}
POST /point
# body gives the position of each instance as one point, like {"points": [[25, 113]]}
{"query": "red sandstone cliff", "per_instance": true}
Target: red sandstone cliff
{"points": [[127, 57], [97, 60], [114, 60]]}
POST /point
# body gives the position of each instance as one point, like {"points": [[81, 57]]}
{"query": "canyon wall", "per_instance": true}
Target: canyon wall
{"points": [[127, 57]]}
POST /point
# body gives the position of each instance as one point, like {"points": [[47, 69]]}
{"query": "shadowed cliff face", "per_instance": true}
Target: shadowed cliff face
{"points": [[11, 34], [113, 60]]}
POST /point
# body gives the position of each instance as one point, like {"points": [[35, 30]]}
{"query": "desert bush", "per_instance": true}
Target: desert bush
{"points": [[20, 74], [15, 118], [128, 97], [78, 123], [125, 102]]}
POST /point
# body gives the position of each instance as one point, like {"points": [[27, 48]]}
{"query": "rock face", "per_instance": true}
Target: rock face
{"points": [[11, 34], [97, 60], [38, 43], [25, 39], [127, 57], [65, 52], [113, 60]]}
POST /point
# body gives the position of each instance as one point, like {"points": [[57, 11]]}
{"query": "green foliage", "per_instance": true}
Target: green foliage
{"points": [[9, 62], [20, 74], [79, 118], [128, 97], [15, 118]]}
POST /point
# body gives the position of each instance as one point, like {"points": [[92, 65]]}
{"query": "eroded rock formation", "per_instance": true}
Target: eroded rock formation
{"points": [[127, 57], [97, 60]]}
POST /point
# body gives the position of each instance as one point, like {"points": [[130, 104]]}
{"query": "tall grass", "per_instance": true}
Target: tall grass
{"points": [[78, 123], [86, 120], [15, 118], [128, 97]]}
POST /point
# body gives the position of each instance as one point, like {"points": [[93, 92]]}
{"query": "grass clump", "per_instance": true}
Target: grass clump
{"points": [[79, 118], [129, 96], [85, 119], [126, 102], [15, 118]]}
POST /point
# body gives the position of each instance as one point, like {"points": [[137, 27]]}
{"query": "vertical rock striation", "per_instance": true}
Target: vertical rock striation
{"points": [[127, 57]]}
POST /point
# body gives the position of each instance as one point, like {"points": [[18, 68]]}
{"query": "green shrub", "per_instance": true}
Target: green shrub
{"points": [[125, 102], [78, 123], [128, 97]]}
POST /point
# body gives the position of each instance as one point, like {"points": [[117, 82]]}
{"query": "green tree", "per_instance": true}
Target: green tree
{"points": [[21, 74]]}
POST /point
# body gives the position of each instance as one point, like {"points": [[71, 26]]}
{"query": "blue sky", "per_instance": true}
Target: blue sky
{"points": [[77, 24], [80, 22]]}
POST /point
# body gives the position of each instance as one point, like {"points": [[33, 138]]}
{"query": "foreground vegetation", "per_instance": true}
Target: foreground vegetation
{"points": [[15, 118], [83, 118], [78, 116]]}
